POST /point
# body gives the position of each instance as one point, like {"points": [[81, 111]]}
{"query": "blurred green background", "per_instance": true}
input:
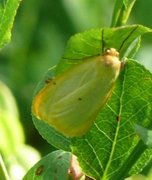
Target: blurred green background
{"points": [[39, 35]]}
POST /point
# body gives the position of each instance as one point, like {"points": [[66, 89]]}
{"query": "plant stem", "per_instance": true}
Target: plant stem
{"points": [[134, 156], [3, 171], [121, 12]]}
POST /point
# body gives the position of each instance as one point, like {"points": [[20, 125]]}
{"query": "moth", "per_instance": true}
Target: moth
{"points": [[71, 101]]}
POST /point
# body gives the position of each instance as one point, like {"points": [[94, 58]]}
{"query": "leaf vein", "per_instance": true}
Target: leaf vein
{"points": [[100, 164], [103, 132]]}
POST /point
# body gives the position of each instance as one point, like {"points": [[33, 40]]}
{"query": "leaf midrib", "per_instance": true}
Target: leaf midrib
{"points": [[116, 132]]}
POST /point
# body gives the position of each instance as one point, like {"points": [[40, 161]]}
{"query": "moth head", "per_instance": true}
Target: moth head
{"points": [[111, 52], [111, 60]]}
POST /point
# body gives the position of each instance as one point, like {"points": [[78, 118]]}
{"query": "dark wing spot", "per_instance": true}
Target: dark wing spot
{"points": [[54, 83], [47, 81], [50, 80], [79, 98]]}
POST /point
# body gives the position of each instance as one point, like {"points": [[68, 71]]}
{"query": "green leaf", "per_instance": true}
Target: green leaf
{"points": [[145, 135], [111, 148], [52, 136], [79, 47], [11, 132], [134, 46], [8, 10], [55, 166], [95, 41]]}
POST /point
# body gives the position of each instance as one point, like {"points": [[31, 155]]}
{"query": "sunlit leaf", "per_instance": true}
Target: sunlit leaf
{"points": [[8, 10], [11, 132]]}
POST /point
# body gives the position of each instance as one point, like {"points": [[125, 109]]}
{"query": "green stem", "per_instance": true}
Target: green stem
{"points": [[134, 156], [121, 12], [3, 171]]}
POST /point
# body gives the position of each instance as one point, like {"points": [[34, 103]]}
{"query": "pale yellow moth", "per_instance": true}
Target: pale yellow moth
{"points": [[71, 101]]}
